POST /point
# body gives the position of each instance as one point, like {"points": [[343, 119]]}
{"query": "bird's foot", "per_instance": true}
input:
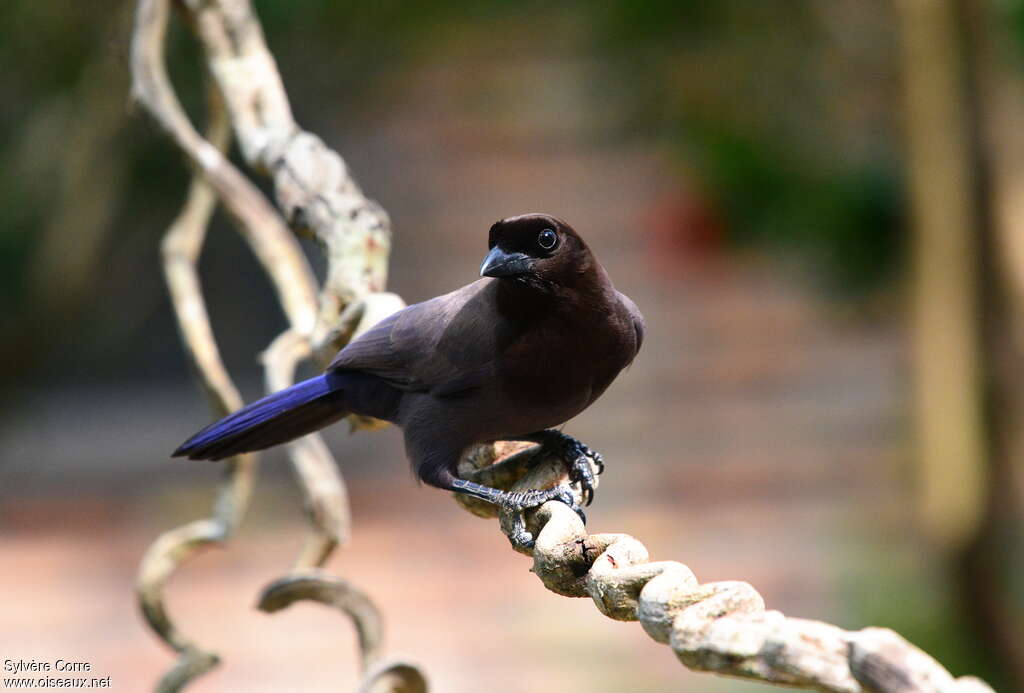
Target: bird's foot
{"points": [[518, 501], [577, 458], [515, 502]]}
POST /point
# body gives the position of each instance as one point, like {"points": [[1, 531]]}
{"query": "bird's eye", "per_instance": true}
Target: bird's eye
{"points": [[547, 239]]}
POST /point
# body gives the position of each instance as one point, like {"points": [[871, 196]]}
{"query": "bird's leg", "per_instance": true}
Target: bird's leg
{"points": [[518, 501], [575, 455]]}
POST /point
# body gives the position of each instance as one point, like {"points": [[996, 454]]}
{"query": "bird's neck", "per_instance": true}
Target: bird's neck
{"points": [[586, 293], [594, 289], [519, 300]]}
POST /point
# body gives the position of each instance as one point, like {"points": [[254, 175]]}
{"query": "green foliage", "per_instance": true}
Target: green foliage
{"points": [[846, 223], [638, 26], [738, 93], [1013, 17]]}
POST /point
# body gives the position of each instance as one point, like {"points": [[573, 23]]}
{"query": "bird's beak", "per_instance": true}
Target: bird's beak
{"points": [[499, 263]]}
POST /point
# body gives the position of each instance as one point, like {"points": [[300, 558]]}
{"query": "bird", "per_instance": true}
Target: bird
{"points": [[511, 356]]}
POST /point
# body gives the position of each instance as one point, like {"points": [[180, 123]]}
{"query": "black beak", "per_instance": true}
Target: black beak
{"points": [[498, 263]]}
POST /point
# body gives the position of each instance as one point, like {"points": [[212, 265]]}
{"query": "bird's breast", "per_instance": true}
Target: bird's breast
{"points": [[558, 369]]}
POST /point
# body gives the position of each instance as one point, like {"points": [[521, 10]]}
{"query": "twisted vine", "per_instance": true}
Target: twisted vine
{"points": [[319, 195], [719, 627]]}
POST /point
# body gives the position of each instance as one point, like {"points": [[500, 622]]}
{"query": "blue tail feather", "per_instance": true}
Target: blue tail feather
{"points": [[293, 412]]}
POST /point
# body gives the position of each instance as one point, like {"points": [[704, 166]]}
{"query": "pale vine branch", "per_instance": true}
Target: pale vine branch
{"points": [[259, 223], [282, 259], [720, 627], [312, 182], [326, 496], [180, 249]]}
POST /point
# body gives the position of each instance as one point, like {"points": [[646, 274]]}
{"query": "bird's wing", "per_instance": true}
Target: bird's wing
{"points": [[445, 345], [636, 317]]}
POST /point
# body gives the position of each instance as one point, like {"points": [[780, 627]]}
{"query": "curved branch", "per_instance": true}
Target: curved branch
{"points": [[336, 592], [326, 498], [180, 249], [719, 627], [311, 181], [387, 676], [318, 194], [258, 222], [393, 676], [282, 259]]}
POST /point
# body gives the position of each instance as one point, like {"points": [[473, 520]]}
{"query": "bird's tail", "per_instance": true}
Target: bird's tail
{"points": [[278, 418]]}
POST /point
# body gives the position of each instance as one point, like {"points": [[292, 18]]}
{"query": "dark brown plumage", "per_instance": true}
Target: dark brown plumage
{"points": [[524, 349]]}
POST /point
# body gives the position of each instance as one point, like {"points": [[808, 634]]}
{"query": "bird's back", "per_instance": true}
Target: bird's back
{"points": [[439, 345]]}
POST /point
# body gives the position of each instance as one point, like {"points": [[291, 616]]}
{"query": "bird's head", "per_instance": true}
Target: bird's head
{"points": [[538, 250]]}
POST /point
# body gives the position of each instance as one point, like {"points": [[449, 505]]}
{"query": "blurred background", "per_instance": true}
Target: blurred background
{"points": [[819, 207]]}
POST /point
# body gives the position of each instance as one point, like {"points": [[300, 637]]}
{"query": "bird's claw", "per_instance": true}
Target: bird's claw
{"points": [[578, 458], [581, 473], [520, 538], [516, 503]]}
